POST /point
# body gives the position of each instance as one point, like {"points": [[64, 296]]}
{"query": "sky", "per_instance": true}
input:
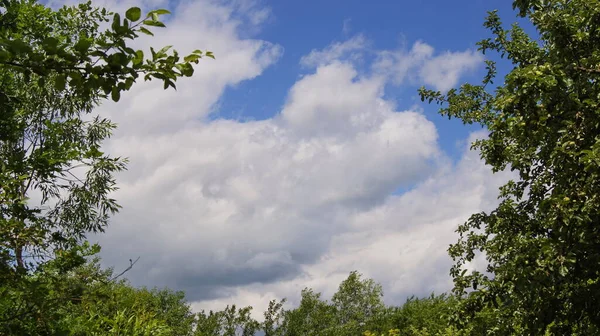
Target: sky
{"points": [[302, 153]]}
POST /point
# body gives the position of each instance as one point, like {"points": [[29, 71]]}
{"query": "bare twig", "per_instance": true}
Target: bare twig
{"points": [[131, 263]]}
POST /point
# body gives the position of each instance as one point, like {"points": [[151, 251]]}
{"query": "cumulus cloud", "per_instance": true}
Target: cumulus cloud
{"points": [[443, 71], [228, 203], [246, 212], [419, 65], [401, 242]]}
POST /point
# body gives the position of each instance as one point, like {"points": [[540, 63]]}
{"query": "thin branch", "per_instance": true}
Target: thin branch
{"points": [[77, 166], [31, 177], [594, 71], [77, 178], [27, 66], [131, 263]]}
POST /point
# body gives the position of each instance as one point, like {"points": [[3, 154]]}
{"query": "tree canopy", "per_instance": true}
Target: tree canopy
{"points": [[55, 181], [542, 242]]}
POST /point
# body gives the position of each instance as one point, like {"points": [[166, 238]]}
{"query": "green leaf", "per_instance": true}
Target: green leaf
{"points": [[106, 87], [118, 60], [146, 31], [161, 11], [168, 83], [138, 58], [116, 25], [83, 45], [191, 58], [128, 83], [4, 55], [115, 94], [563, 270], [165, 49], [154, 23], [133, 14], [159, 76], [18, 46], [187, 70], [50, 45], [60, 82]]}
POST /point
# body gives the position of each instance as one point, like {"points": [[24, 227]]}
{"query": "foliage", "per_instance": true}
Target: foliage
{"points": [[391, 332], [87, 300], [312, 317], [357, 308], [425, 315], [354, 308], [68, 46], [100, 304], [33, 304], [357, 301], [542, 242], [55, 182], [229, 322], [273, 319]]}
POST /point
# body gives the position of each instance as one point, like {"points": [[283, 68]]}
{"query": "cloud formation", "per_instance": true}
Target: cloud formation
{"points": [[351, 48], [401, 242], [246, 212], [421, 65]]}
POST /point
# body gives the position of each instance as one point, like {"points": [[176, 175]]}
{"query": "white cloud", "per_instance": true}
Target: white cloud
{"points": [[255, 201], [208, 26], [334, 101], [351, 48], [443, 71], [401, 243], [420, 65], [398, 65], [247, 212]]}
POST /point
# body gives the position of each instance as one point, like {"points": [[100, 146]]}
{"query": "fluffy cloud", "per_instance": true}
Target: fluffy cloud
{"points": [[351, 48], [227, 203], [419, 65], [247, 212], [401, 242]]}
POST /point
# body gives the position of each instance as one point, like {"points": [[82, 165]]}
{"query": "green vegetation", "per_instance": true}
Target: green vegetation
{"points": [[55, 67], [542, 242]]}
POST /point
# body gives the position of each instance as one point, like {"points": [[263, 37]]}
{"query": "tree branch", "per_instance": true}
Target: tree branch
{"points": [[588, 70], [131, 263]]}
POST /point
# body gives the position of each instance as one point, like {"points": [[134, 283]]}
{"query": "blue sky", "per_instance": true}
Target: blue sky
{"points": [[302, 152], [300, 26]]}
